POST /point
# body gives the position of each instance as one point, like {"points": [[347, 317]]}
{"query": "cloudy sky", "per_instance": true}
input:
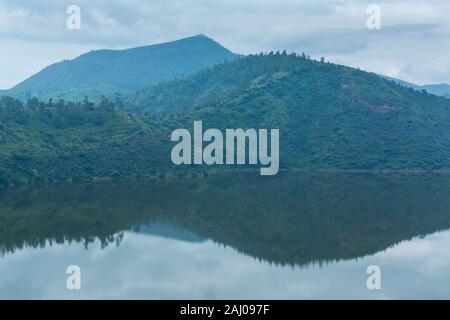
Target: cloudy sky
{"points": [[412, 44]]}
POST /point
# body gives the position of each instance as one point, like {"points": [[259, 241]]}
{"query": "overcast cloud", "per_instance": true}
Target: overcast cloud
{"points": [[413, 43]]}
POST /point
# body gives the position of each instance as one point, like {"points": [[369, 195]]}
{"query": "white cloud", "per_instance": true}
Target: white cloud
{"points": [[149, 267], [413, 39]]}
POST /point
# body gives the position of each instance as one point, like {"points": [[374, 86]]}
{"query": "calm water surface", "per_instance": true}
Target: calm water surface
{"points": [[241, 236]]}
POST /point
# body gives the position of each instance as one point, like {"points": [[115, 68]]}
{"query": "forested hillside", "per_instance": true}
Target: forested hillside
{"points": [[60, 141], [329, 116]]}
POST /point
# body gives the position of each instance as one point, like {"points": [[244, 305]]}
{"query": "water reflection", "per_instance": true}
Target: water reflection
{"points": [[295, 218]]}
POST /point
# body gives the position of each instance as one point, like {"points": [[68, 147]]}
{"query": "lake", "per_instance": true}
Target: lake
{"points": [[297, 235]]}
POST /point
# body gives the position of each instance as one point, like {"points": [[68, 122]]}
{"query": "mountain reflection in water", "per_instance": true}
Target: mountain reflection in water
{"points": [[295, 218]]}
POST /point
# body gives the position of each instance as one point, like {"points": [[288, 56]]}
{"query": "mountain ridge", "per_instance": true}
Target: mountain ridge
{"points": [[106, 71]]}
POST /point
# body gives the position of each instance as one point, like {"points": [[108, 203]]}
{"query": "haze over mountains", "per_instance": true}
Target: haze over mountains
{"points": [[110, 72], [329, 116], [106, 72], [442, 89]]}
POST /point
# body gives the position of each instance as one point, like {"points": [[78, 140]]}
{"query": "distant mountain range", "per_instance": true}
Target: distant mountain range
{"points": [[438, 89], [123, 72], [107, 72], [442, 89]]}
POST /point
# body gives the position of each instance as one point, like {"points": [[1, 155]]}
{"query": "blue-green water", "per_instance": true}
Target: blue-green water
{"points": [[294, 236]]}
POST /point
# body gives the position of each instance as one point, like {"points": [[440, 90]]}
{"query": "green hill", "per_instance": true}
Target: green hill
{"points": [[105, 72], [329, 116]]}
